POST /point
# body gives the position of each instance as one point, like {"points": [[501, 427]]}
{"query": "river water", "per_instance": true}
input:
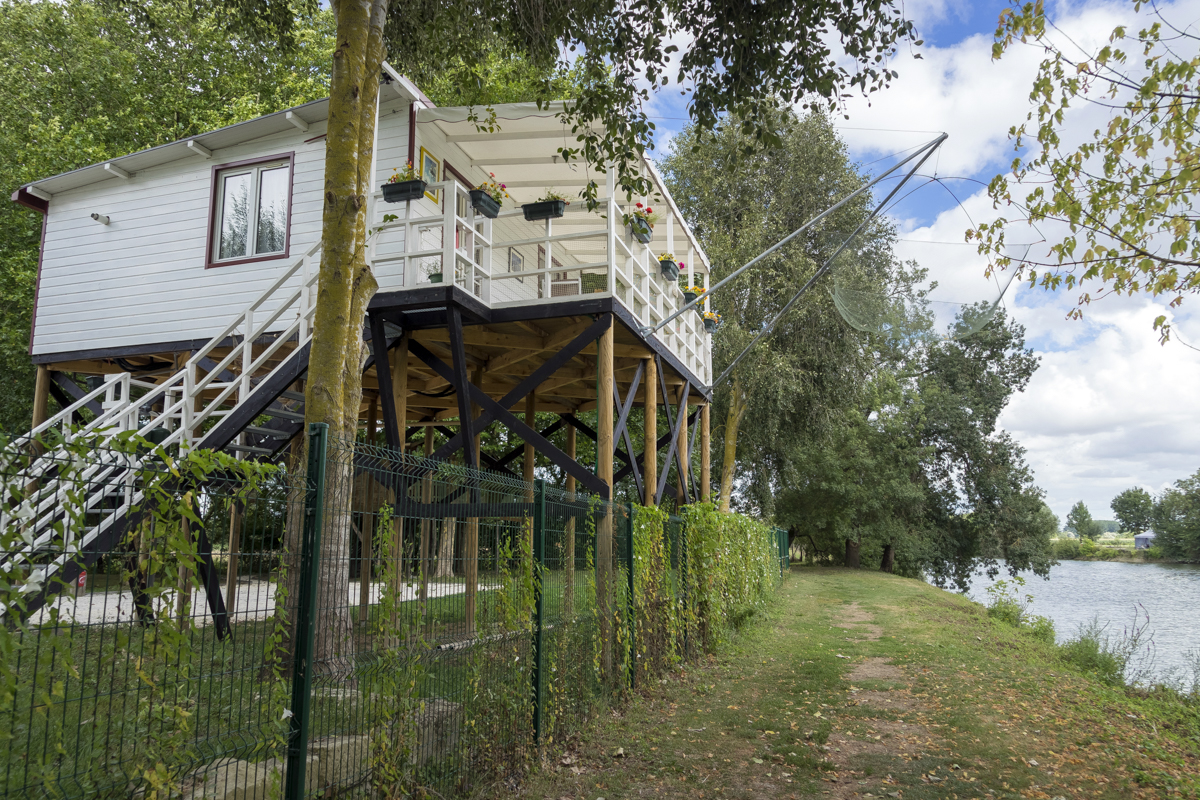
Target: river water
{"points": [[1080, 591]]}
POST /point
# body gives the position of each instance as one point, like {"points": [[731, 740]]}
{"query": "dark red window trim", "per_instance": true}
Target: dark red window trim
{"points": [[209, 263]]}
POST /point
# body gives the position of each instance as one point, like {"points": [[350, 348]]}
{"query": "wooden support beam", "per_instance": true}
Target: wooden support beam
{"points": [[530, 460], [569, 533], [650, 423], [379, 349], [692, 472], [41, 395], [372, 419], [683, 463], [471, 546], [548, 368], [461, 385], [493, 410], [621, 432], [235, 547], [400, 388], [604, 531], [705, 455]]}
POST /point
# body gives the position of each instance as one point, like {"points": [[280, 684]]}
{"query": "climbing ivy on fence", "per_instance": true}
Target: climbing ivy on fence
{"points": [[58, 674]]}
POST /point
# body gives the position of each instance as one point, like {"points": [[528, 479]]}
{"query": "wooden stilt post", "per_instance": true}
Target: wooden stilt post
{"points": [[183, 591], [423, 554], [372, 418], [41, 395], [235, 547], [569, 533], [684, 455], [604, 469], [650, 445], [705, 456], [400, 387], [367, 534], [530, 458], [471, 547]]}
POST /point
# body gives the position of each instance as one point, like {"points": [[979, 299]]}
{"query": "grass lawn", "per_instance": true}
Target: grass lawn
{"points": [[858, 684]]}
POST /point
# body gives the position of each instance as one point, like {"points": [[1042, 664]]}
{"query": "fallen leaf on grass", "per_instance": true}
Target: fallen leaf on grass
{"points": [[619, 752]]}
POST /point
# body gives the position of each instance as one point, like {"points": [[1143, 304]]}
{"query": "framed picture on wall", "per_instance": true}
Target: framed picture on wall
{"points": [[516, 262], [429, 171]]}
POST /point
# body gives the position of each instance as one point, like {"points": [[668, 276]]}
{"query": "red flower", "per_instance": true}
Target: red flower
{"points": [[639, 205], [649, 210]]}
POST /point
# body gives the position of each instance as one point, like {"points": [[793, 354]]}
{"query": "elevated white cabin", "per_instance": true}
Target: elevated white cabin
{"points": [[133, 260]]}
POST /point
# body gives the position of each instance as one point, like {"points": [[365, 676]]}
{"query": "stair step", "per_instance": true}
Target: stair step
{"points": [[283, 413], [272, 432], [245, 448], [293, 396]]}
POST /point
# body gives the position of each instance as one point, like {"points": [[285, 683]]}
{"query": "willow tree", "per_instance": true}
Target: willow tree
{"points": [[739, 204]]}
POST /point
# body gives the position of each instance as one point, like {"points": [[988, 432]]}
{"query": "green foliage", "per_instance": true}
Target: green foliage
{"points": [[1134, 509], [622, 56], [1066, 549], [1125, 194], [808, 369], [43, 673], [1079, 521], [1177, 520], [1008, 605], [732, 565], [1094, 651], [99, 79]]}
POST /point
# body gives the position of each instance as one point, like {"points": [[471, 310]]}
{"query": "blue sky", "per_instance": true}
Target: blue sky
{"points": [[1109, 407]]}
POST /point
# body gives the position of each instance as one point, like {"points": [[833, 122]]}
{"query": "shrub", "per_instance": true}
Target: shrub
{"points": [[1152, 553], [1116, 659], [1088, 548], [1066, 549], [1008, 606]]}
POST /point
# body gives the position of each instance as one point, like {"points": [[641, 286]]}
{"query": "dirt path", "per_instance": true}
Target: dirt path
{"points": [[859, 685]]}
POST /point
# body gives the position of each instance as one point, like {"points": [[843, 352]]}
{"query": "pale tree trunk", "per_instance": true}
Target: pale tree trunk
{"points": [[345, 285], [733, 420]]}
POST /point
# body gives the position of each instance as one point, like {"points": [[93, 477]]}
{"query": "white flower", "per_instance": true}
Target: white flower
{"points": [[287, 714]]}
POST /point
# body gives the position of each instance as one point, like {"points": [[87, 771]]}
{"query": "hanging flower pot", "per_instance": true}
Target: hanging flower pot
{"points": [[668, 267], [487, 197], [401, 191], [640, 222], [690, 293], [552, 205], [484, 203], [435, 277], [712, 321], [403, 185], [641, 230]]}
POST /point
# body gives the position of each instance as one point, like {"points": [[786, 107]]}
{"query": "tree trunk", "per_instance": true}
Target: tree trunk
{"points": [[852, 553], [889, 558], [733, 420], [345, 285], [445, 559]]}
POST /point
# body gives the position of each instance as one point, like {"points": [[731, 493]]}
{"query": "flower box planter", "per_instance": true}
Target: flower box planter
{"points": [[669, 269], [484, 203], [404, 190], [711, 325], [689, 296], [435, 277], [641, 230], [544, 209]]}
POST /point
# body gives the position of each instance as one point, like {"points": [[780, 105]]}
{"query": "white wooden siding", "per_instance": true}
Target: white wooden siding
{"points": [[141, 280]]}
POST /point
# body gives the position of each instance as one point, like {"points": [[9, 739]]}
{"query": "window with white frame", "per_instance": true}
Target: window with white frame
{"points": [[251, 213]]}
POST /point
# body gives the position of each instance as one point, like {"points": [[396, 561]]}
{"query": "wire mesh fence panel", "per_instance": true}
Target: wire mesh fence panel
{"points": [[356, 619], [141, 621]]}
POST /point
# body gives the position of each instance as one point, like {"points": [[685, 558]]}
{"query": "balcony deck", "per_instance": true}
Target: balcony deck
{"points": [[532, 270]]}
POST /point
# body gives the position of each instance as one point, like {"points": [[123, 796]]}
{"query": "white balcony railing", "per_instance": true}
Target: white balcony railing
{"points": [[509, 262]]}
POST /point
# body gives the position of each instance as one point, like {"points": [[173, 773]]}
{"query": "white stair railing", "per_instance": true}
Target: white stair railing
{"points": [[128, 404]]}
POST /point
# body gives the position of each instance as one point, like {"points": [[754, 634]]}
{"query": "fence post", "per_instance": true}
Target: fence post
{"points": [[539, 564], [302, 640], [683, 572], [632, 603]]}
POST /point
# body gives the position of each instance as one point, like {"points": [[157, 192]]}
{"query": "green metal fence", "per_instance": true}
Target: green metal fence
{"points": [[360, 618]]}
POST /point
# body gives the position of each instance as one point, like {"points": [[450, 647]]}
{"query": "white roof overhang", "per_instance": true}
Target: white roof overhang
{"points": [[523, 152], [298, 117]]}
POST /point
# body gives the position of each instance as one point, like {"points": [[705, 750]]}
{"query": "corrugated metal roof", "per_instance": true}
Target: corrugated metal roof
{"points": [[309, 113]]}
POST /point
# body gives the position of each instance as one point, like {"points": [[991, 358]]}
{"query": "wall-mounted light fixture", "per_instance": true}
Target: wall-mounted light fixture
{"points": [[101, 218]]}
